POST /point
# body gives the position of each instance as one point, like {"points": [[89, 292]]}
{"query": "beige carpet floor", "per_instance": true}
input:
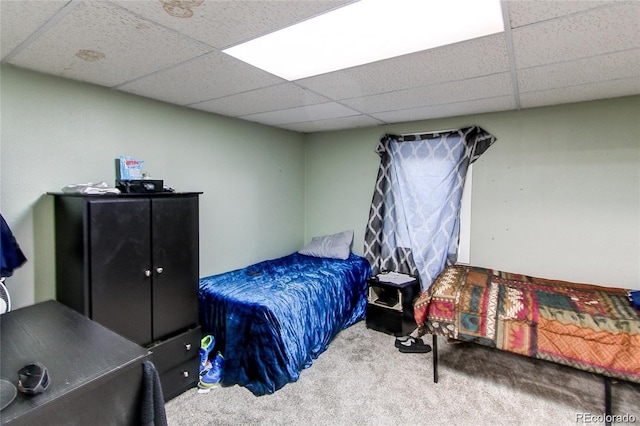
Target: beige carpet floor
{"points": [[362, 379]]}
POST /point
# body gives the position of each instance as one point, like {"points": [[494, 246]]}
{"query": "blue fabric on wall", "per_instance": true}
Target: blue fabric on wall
{"points": [[272, 319], [12, 256]]}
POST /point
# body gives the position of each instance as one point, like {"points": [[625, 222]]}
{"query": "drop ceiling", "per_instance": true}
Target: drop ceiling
{"points": [[552, 52]]}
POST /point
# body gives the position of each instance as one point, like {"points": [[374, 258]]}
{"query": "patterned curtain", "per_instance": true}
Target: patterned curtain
{"points": [[414, 221]]}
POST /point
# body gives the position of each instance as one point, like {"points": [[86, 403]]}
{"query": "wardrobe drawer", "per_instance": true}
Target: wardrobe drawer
{"points": [[176, 350], [180, 378]]}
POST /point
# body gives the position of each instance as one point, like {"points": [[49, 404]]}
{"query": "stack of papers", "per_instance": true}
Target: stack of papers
{"points": [[90, 188], [394, 277]]}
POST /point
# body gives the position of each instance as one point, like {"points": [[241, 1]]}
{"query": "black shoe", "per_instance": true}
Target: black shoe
{"points": [[413, 346], [403, 339]]}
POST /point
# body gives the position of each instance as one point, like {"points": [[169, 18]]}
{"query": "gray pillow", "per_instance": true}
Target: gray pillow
{"points": [[336, 246]]}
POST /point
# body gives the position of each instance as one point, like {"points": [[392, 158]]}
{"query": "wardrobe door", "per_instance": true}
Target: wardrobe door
{"points": [[175, 249], [120, 266]]}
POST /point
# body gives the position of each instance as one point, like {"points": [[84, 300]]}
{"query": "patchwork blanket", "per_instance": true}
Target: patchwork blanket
{"points": [[584, 326]]}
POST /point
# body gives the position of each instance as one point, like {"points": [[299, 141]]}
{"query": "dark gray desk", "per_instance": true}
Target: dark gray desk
{"points": [[96, 375]]}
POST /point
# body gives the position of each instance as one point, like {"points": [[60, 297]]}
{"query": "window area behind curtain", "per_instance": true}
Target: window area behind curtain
{"points": [[414, 220]]}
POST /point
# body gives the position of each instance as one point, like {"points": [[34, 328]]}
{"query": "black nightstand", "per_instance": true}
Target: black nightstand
{"points": [[390, 306]]}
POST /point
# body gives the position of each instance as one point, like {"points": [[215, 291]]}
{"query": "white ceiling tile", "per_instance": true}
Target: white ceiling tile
{"points": [[333, 124], [21, 19], [527, 12], [280, 96], [450, 92], [208, 77], [591, 33], [585, 92], [223, 23], [483, 56], [615, 66], [504, 103], [565, 51], [94, 43], [308, 113]]}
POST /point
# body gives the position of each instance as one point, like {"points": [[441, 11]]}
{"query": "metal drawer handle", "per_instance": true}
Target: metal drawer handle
{"points": [[159, 269], [147, 273], [185, 373], [188, 346]]}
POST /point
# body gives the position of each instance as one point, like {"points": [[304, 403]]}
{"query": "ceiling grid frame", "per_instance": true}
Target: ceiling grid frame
{"points": [[604, 65]]}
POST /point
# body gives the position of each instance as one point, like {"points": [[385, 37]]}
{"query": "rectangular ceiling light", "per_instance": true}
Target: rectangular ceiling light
{"points": [[368, 31]]}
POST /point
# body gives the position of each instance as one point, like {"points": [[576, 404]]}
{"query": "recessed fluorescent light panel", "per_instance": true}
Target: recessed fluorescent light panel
{"points": [[368, 31]]}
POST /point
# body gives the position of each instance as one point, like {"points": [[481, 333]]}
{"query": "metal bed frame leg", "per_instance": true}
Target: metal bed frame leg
{"points": [[435, 358], [607, 400], [607, 381]]}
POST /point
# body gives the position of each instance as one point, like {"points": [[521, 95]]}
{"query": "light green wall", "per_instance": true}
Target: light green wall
{"points": [[56, 132], [558, 194]]}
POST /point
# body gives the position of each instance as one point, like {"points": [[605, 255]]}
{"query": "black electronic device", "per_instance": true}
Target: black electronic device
{"points": [[140, 186], [33, 379]]}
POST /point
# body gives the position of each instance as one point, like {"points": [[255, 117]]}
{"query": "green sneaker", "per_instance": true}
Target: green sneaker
{"points": [[211, 377], [206, 346]]}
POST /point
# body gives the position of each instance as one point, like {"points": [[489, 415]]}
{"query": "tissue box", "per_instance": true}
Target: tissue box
{"points": [[128, 168]]}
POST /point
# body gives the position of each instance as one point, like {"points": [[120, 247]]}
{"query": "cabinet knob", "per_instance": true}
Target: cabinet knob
{"points": [[185, 373], [159, 269], [188, 346], [147, 273]]}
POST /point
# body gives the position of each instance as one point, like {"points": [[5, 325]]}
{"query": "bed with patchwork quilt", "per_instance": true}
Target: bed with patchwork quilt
{"points": [[588, 327], [272, 319]]}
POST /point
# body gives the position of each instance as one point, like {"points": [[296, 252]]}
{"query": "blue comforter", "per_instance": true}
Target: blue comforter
{"points": [[272, 319]]}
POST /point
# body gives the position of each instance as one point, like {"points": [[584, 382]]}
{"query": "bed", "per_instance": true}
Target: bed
{"points": [[588, 327], [584, 326], [272, 319]]}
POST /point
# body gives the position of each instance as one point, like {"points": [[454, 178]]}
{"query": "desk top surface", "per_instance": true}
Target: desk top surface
{"points": [[75, 350]]}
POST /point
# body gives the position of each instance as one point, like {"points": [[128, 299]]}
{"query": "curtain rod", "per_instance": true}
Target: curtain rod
{"points": [[428, 132]]}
